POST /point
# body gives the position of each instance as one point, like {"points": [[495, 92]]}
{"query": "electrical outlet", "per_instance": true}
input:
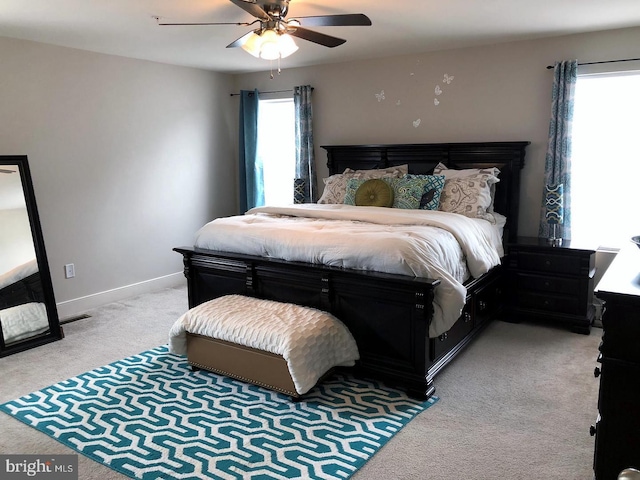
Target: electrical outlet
{"points": [[69, 270]]}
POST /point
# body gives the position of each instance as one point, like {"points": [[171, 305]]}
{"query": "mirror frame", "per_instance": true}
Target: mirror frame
{"points": [[55, 330]]}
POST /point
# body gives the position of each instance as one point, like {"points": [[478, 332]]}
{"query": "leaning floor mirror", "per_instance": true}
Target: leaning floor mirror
{"points": [[28, 314]]}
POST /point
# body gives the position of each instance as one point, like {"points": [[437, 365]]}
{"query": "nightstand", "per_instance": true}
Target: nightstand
{"points": [[553, 284]]}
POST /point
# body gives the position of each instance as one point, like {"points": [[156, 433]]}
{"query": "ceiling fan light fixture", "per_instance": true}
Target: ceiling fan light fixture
{"points": [[276, 45], [270, 45], [286, 45], [252, 45]]}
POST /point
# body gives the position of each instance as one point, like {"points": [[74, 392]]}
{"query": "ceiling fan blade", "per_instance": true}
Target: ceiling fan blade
{"points": [[2, 170], [315, 37], [253, 8], [241, 41], [242, 24], [347, 20]]}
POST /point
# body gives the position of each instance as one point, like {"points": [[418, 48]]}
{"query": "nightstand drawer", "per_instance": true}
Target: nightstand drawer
{"points": [[544, 262], [546, 283], [550, 303]]}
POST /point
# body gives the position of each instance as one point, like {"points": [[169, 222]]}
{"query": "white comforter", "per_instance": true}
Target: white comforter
{"points": [[420, 243], [311, 341], [18, 273], [23, 321]]}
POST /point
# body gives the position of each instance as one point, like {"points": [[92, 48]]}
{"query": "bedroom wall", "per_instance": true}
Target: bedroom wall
{"points": [[498, 93], [128, 159]]}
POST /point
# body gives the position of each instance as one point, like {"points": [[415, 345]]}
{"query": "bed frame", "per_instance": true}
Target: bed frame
{"points": [[28, 289], [388, 315]]}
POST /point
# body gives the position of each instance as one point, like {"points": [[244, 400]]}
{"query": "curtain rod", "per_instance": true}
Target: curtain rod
{"points": [[272, 91], [549, 67]]}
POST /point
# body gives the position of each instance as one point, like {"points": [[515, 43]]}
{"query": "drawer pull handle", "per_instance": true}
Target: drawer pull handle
{"points": [[592, 430], [547, 284], [467, 317], [443, 337], [547, 263], [596, 372]]}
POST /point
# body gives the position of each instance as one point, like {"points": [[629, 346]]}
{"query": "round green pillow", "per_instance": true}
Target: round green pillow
{"points": [[374, 193]]}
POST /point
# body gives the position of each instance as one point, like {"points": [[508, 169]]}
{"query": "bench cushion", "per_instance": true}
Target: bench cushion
{"points": [[310, 340]]}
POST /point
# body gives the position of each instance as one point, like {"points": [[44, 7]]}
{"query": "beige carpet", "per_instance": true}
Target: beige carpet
{"points": [[517, 404]]}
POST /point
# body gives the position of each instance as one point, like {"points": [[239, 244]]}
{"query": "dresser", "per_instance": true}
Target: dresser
{"points": [[617, 428], [553, 284]]}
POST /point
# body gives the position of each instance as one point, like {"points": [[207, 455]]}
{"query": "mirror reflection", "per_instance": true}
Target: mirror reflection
{"points": [[26, 307]]}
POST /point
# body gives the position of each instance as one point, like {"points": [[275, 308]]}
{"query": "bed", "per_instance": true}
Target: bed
{"points": [[21, 285], [391, 315], [22, 309]]}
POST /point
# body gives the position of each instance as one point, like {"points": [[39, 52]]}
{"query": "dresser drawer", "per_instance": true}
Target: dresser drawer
{"points": [[548, 283], [550, 303], [546, 262], [443, 344]]}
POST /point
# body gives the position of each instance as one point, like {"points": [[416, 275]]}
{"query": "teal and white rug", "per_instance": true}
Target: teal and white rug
{"points": [[150, 417]]}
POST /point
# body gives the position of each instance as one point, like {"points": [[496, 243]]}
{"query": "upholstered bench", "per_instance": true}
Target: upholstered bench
{"points": [[281, 346]]}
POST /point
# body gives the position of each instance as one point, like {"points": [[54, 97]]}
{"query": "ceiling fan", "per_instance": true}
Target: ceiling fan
{"points": [[272, 38]]}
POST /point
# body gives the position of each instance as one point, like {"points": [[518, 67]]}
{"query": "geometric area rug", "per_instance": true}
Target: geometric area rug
{"points": [[149, 416]]}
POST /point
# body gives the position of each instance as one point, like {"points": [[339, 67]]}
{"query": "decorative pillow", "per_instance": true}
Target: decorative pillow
{"points": [[470, 196], [451, 173], [335, 186], [409, 192], [431, 190], [375, 193]]}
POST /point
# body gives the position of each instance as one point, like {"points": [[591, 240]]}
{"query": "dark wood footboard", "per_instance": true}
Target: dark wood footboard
{"points": [[388, 315]]}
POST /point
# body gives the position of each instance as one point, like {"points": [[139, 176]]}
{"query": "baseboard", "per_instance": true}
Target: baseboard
{"points": [[80, 305]]}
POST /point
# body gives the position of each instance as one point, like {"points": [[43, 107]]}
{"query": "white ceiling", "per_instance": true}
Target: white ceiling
{"points": [[128, 28]]}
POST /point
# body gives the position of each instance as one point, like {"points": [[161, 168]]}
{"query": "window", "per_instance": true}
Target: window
{"points": [[276, 149], [605, 164]]}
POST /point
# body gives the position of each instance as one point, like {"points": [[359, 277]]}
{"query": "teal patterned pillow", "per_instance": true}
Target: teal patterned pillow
{"points": [[417, 191], [352, 186], [409, 192]]}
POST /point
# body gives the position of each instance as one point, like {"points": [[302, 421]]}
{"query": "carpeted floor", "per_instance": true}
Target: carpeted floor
{"points": [[516, 404], [149, 416]]}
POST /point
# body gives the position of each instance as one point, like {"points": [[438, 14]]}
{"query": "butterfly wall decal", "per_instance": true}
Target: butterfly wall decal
{"points": [[447, 79], [380, 96]]}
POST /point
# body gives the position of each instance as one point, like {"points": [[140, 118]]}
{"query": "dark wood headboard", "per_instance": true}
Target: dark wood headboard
{"points": [[422, 159]]}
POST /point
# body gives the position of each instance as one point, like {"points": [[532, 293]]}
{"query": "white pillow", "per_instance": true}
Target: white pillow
{"points": [[442, 169]]}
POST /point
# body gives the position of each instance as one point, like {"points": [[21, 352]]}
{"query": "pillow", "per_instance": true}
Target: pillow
{"points": [[451, 173], [335, 186], [431, 190], [404, 169], [374, 192], [469, 196], [409, 192], [442, 169]]}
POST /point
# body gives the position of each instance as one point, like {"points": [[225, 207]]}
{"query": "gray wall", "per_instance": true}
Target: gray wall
{"points": [[499, 93], [128, 159]]}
